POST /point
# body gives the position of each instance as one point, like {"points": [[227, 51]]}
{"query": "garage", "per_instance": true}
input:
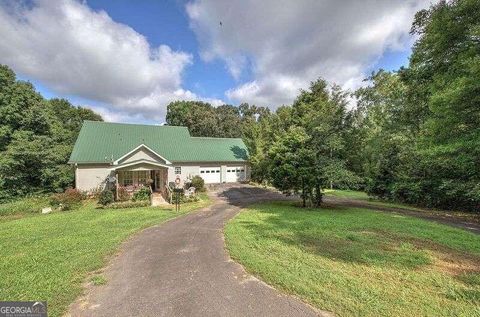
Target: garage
{"points": [[210, 174], [235, 174]]}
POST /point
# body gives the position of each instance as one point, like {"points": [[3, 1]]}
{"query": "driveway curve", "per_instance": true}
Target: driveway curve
{"points": [[181, 268]]}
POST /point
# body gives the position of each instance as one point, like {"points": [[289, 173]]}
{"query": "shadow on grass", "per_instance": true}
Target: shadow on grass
{"points": [[355, 236]]}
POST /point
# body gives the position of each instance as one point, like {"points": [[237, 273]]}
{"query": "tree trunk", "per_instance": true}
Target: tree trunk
{"points": [[303, 194], [318, 195]]}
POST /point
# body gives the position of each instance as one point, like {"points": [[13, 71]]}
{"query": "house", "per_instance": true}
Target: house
{"points": [[136, 155]]}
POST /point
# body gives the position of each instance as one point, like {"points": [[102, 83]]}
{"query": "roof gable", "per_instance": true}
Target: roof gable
{"points": [[141, 164], [141, 152], [106, 142]]}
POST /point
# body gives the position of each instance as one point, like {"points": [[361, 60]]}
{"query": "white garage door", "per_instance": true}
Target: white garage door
{"points": [[210, 174], [235, 174]]}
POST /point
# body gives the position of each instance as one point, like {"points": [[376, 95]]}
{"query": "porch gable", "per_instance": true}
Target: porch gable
{"points": [[141, 153]]}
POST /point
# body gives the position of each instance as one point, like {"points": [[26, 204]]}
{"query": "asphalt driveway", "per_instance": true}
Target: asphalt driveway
{"points": [[181, 268]]}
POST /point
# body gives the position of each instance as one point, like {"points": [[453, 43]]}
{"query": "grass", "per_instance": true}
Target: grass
{"points": [[48, 257], [359, 262], [351, 194], [98, 280], [22, 206], [362, 196], [359, 195]]}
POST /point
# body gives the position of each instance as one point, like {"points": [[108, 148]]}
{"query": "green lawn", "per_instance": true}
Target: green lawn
{"points": [[48, 257], [351, 194], [359, 195], [358, 262], [362, 196]]}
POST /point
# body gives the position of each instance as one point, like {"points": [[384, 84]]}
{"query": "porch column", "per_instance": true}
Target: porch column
{"points": [[116, 186]]}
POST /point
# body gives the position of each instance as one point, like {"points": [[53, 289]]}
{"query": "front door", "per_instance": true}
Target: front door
{"points": [[158, 180]]}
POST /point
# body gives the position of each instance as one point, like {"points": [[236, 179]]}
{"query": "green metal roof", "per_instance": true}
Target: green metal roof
{"points": [[105, 142]]}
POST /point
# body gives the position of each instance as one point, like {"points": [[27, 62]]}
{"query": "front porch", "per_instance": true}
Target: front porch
{"points": [[133, 178]]}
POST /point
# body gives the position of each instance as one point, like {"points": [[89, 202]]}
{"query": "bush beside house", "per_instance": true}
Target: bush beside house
{"points": [[123, 199], [106, 197], [68, 200], [122, 194], [198, 183], [142, 194]]}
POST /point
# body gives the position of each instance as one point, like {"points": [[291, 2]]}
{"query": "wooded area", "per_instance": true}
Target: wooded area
{"points": [[414, 135], [36, 139]]}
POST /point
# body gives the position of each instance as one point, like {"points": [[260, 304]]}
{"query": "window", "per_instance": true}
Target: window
{"points": [[208, 171], [178, 170], [201, 172], [127, 178], [142, 177]]}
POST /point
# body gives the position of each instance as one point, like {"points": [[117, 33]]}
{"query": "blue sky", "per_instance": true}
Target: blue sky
{"points": [[166, 22], [128, 59]]}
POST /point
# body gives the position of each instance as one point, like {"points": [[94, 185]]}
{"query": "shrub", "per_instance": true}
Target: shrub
{"points": [[142, 194], [198, 183], [122, 193], [106, 197], [189, 199], [95, 193], [129, 204], [70, 199]]}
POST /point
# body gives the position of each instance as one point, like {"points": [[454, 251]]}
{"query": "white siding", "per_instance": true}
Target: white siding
{"points": [[89, 176], [188, 171], [223, 172]]}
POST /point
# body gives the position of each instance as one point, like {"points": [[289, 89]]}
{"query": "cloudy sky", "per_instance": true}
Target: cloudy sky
{"points": [[128, 59]]}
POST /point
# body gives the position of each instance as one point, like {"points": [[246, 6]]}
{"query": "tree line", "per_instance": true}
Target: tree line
{"points": [[413, 135], [36, 138]]}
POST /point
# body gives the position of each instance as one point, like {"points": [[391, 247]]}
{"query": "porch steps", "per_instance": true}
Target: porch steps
{"points": [[158, 200]]}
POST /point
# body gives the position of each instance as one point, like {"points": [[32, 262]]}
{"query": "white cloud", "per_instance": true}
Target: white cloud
{"points": [[77, 51], [291, 43]]}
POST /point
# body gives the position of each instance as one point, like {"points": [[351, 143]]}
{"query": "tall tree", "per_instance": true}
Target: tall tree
{"points": [[292, 164], [199, 117], [447, 59], [422, 127], [308, 155], [385, 132], [36, 138], [228, 121]]}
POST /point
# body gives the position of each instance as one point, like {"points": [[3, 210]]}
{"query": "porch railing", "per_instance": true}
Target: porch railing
{"points": [[169, 193], [151, 194]]}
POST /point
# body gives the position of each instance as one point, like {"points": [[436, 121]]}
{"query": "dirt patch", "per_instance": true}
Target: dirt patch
{"points": [[445, 259], [454, 265]]}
